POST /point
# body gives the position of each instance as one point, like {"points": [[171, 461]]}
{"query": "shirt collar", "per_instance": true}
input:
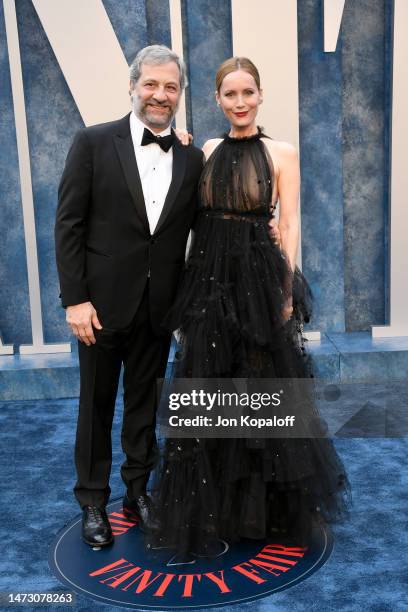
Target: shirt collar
{"points": [[137, 128]]}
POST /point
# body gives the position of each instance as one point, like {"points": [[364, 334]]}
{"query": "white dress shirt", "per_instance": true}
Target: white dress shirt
{"points": [[155, 169]]}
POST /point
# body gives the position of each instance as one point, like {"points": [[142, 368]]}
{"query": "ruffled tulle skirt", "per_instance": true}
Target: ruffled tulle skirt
{"points": [[230, 311]]}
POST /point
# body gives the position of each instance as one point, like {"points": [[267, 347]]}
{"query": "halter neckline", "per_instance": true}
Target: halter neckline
{"points": [[259, 134]]}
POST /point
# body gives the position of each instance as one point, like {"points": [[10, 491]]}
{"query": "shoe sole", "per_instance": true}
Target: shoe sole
{"points": [[97, 544]]}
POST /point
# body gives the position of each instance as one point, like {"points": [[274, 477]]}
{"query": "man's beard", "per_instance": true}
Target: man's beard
{"points": [[145, 114]]}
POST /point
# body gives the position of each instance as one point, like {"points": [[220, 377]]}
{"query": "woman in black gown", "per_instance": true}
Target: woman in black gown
{"points": [[240, 309]]}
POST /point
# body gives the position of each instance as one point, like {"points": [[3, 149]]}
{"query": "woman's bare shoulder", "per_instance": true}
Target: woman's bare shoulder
{"points": [[280, 146], [281, 152], [210, 145]]}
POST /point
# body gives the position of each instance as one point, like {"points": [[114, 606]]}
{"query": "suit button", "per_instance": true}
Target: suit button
{"points": [[152, 240]]}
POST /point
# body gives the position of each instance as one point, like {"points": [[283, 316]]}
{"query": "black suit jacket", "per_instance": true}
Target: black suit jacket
{"points": [[104, 248]]}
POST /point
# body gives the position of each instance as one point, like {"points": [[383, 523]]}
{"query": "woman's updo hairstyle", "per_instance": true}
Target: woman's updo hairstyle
{"points": [[236, 63]]}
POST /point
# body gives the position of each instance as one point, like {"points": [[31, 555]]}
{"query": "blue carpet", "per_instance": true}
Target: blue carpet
{"points": [[367, 570]]}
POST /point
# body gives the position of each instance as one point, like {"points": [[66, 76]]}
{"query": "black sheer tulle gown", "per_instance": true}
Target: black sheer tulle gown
{"points": [[229, 310]]}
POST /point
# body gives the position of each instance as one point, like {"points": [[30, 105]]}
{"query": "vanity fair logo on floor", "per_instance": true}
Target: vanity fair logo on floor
{"points": [[126, 574]]}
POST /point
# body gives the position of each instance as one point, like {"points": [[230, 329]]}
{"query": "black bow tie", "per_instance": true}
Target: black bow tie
{"points": [[165, 142]]}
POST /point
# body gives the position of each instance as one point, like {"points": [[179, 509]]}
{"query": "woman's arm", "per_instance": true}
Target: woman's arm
{"points": [[289, 189]]}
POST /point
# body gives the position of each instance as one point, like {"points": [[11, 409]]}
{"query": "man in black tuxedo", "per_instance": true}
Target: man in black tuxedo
{"points": [[127, 199]]}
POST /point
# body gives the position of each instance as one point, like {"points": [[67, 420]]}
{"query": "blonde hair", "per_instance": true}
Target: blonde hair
{"points": [[236, 63]]}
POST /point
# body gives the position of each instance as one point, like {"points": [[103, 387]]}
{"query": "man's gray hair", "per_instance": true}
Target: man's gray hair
{"points": [[157, 54]]}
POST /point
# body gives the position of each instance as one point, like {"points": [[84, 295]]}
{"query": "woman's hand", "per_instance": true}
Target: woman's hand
{"points": [[184, 137], [276, 236], [288, 309], [274, 232]]}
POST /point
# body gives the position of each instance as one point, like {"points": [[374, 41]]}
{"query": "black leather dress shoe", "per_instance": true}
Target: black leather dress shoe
{"points": [[141, 509], [96, 529]]}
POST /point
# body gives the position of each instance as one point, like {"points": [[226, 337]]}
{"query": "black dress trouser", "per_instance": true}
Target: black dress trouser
{"points": [[144, 357]]}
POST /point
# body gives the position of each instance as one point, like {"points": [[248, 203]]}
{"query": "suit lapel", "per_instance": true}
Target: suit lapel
{"points": [[124, 146], [178, 172]]}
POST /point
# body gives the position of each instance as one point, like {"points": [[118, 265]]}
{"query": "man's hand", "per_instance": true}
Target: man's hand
{"points": [[81, 318], [274, 231], [184, 137]]}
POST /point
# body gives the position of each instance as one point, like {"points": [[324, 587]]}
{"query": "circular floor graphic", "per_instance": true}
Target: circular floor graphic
{"points": [[127, 575]]}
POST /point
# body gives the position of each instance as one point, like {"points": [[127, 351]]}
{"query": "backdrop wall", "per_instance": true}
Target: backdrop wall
{"points": [[344, 101]]}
